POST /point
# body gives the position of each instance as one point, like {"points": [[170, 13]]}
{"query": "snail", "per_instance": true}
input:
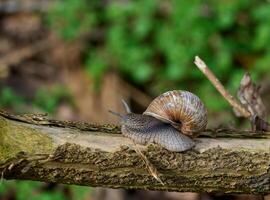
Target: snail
{"points": [[171, 120]]}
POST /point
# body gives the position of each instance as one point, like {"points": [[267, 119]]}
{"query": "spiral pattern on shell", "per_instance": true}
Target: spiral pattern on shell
{"points": [[182, 109]]}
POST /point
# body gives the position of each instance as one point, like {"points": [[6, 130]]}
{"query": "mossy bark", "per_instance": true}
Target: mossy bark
{"points": [[74, 153]]}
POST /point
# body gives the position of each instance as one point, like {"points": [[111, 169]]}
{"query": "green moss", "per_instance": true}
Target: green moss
{"points": [[16, 137]]}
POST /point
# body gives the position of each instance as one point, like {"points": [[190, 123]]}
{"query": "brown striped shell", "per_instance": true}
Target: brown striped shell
{"points": [[184, 110]]}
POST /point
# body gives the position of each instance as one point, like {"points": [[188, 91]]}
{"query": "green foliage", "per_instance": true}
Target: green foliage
{"points": [[80, 192], [153, 43], [45, 99], [8, 98], [32, 190], [66, 15], [95, 67], [49, 99]]}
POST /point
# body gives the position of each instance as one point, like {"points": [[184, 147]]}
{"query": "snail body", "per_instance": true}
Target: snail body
{"points": [[170, 120]]}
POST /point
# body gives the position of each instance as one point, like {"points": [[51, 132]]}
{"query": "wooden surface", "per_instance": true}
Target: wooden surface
{"points": [[35, 148]]}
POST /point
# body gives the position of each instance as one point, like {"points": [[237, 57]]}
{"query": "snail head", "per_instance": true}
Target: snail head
{"points": [[124, 118], [127, 108], [133, 120]]}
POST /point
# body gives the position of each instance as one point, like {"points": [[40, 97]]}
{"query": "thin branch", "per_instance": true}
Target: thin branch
{"points": [[213, 79]]}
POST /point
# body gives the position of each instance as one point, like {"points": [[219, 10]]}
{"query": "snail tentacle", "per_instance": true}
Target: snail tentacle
{"points": [[127, 108]]}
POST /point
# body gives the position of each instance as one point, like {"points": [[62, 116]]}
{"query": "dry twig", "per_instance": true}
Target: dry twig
{"points": [[249, 95], [152, 170], [232, 101]]}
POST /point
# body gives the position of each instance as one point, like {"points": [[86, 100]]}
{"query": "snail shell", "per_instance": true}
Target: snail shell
{"points": [[166, 120], [182, 109]]}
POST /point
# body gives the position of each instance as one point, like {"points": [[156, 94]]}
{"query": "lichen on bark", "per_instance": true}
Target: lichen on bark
{"points": [[15, 137]]}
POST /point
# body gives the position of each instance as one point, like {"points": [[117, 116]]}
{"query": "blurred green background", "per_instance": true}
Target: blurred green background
{"points": [[151, 45]]}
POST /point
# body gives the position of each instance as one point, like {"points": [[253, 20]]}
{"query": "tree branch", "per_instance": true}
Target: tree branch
{"points": [[35, 148], [213, 79]]}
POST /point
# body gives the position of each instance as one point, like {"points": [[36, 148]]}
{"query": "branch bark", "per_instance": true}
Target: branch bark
{"points": [[35, 148]]}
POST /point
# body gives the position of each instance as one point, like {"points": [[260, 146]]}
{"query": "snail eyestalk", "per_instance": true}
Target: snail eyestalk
{"points": [[127, 108], [116, 114]]}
